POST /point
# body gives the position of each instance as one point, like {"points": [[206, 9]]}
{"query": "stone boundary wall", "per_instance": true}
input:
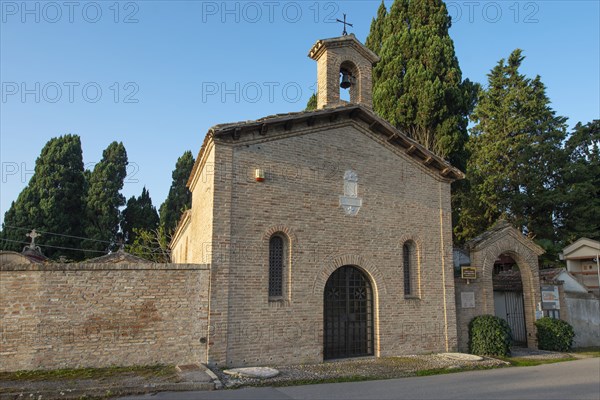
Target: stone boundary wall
{"points": [[99, 315]]}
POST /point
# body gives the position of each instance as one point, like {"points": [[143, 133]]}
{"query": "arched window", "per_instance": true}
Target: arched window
{"points": [[276, 265], [411, 269], [406, 263]]}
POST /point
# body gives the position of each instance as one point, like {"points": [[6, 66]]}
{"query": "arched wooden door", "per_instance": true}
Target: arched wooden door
{"points": [[348, 314]]}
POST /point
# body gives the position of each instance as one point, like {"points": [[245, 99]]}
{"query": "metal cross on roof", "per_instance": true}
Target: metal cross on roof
{"points": [[345, 23]]}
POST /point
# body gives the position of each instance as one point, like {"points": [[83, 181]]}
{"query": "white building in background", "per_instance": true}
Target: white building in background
{"points": [[582, 262]]}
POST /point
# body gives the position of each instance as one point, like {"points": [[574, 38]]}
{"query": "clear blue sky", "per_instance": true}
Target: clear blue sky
{"points": [[182, 66]]}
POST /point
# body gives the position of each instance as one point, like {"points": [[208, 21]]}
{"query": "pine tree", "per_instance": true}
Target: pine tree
{"points": [[179, 198], [580, 208], [52, 201], [515, 154], [104, 199], [417, 84], [138, 214]]}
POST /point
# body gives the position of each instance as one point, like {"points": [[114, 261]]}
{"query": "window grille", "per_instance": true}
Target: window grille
{"points": [[406, 250], [276, 254], [348, 315]]}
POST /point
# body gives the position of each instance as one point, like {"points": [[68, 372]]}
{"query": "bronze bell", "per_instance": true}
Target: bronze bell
{"points": [[345, 84]]}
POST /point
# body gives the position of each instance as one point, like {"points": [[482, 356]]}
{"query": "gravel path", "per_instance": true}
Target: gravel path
{"points": [[523, 352], [349, 370], [356, 369]]}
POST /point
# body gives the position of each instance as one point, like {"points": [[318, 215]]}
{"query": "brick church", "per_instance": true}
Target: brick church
{"points": [[314, 235], [328, 232]]}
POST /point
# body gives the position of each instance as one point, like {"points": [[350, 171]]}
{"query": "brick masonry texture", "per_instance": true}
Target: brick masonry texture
{"points": [[345, 54], [401, 200], [98, 315], [234, 216], [525, 253], [328, 68]]}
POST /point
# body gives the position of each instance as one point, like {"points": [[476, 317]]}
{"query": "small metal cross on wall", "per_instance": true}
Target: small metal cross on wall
{"points": [[345, 23]]}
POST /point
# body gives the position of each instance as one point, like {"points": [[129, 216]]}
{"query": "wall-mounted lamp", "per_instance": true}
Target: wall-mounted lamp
{"points": [[259, 175]]}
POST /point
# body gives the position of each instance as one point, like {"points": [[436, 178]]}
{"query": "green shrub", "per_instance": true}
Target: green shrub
{"points": [[554, 334], [489, 336]]}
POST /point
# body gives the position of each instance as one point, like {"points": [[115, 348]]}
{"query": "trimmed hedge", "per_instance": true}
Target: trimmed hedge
{"points": [[489, 336], [554, 334]]}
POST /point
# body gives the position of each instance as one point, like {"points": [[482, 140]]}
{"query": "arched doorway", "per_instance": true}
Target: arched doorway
{"points": [[348, 314], [508, 297]]}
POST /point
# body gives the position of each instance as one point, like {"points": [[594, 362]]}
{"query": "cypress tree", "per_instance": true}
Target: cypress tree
{"points": [[312, 103], [179, 198], [417, 84], [104, 199], [52, 202], [138, 214], [22, 216], [376, 33]]}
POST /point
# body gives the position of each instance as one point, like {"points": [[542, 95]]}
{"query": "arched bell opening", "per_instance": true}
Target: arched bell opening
{"points": [[349, 82]]}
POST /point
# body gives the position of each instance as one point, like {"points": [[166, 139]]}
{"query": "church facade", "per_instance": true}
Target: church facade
{"points": [[328, 233]]}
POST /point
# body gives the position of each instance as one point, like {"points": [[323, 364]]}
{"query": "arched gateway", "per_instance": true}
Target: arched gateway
{"points": [[506, 285], [348, 314]]}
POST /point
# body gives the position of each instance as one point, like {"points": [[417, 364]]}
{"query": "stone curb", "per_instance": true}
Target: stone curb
{"points": [[105, 391], [217, 382]]}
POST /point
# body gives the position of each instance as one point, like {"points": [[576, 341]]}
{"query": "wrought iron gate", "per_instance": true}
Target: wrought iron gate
{"points": [[509, 306], [348, 314]]}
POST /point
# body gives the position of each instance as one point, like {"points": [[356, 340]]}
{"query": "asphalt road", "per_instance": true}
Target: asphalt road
{"points": [[562, 381]]}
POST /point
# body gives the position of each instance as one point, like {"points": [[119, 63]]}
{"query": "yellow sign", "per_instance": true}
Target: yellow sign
{"points": [[468, 272]]}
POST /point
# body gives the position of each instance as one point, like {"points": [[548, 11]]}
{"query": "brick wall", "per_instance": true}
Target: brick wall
{"points": [[300, 197], [465, 315], [199, 233], [333, 55], [97, 315]]}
